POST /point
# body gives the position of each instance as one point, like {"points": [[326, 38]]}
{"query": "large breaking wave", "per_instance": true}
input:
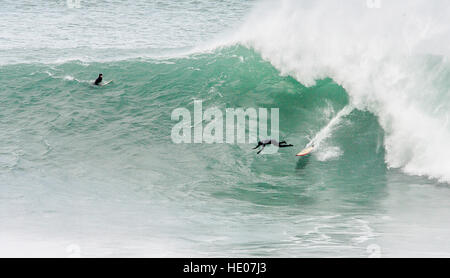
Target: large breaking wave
{"points": [[392, 59]]}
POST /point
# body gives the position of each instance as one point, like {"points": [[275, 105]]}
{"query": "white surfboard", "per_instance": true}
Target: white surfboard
{"points": [[107, 83], [306, 151]]}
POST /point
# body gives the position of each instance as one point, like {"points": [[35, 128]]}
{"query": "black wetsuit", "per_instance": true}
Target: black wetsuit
{"points": [[98, 80], [263, 143]]}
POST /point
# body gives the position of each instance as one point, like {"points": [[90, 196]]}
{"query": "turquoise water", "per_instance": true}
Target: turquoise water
{"points": [[96, 168]]}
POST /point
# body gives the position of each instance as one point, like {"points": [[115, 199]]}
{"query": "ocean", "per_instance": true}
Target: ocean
{"points": [[93, 171]]}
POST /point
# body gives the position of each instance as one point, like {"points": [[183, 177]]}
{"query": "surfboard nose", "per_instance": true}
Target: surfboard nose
{"points": [[306, 151]]}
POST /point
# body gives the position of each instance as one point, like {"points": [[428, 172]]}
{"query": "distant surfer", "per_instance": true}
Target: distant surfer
{"points": [[98, 80], [264, 143]]}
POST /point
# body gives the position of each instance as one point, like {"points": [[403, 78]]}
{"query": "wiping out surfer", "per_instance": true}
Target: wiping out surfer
{"points": [[264, 143]]}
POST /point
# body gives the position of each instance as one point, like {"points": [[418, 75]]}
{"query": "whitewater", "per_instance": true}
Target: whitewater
{"points": [[92, 172], [392, 60]]}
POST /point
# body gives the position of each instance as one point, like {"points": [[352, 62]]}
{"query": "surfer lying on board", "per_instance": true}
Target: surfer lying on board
{"points": [[98, 80], [263, 143]]}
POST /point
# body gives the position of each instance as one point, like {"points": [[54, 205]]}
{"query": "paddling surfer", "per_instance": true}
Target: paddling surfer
{"points": [[99, 79]]}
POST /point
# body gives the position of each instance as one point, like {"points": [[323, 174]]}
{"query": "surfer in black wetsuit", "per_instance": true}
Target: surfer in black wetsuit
{"points": [[263, 143], [99, 79]]}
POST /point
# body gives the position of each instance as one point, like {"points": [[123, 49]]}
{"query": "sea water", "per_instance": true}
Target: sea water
{"points": [[93, 171]]}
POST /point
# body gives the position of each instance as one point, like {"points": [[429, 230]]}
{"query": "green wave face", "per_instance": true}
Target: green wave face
{"points": [[76, 139], [132, 116]]}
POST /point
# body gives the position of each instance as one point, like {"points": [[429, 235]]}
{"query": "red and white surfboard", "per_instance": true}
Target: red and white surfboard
{"points": [[306, 151]]}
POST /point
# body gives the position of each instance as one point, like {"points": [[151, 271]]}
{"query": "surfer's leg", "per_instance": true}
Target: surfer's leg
{"points": [[261, 150], [259, 144]]}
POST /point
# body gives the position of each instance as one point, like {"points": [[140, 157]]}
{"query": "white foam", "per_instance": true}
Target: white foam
{"points": [[327, 131], [328, 153], [391, 60]]}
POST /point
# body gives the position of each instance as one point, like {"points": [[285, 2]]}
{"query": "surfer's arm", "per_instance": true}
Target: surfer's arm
{"points": [[284, 145]]}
